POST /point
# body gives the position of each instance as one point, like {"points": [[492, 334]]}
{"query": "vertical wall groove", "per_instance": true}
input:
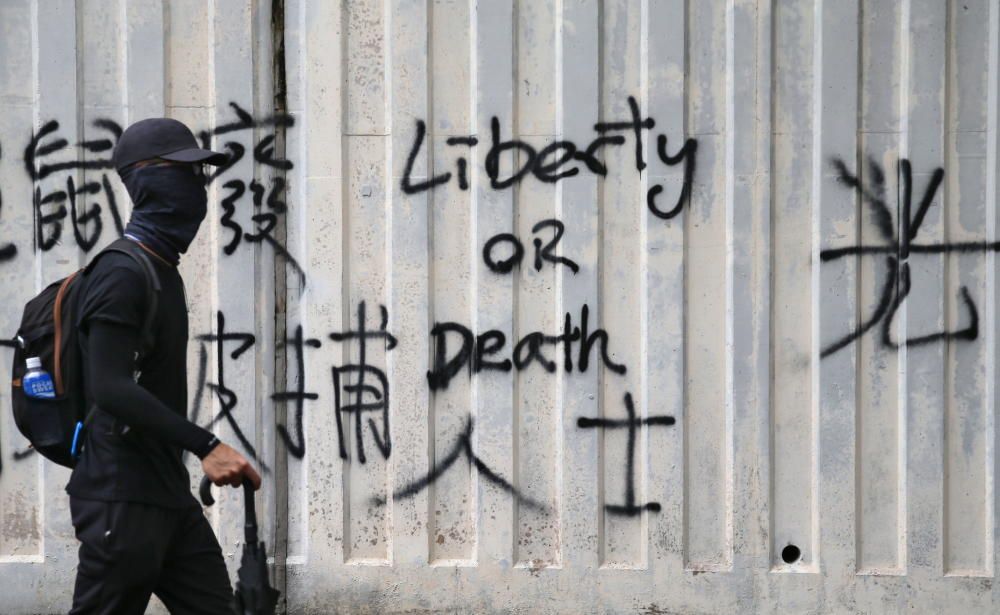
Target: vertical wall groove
{"points": [[905, 103], [858, 315], [729, 488], [643, 285], [389, 291], [685, 369], [772, 174], [280, 367], [992, 194], [602, 403], [816, 194], [559, 304], [947, 202], [431, 286], [345, 282], [517, 406]]}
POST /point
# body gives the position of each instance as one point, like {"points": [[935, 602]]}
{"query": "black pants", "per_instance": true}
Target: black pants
{"points": [[129, 551]]}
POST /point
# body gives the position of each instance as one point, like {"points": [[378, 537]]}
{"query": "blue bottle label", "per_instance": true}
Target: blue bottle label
{"points": [[39, 385]]}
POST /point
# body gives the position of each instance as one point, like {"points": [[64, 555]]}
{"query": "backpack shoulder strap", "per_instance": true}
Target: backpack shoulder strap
{"points": [[136, 253]]}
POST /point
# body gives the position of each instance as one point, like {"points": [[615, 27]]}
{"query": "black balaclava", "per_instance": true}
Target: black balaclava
{"points": [[169, 203]]}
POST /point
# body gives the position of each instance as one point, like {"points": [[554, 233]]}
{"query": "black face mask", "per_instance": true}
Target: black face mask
{"points": [[170, 201]]}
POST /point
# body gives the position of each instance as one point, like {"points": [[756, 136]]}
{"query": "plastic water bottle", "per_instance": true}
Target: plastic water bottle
{"points": [[37, 382]]}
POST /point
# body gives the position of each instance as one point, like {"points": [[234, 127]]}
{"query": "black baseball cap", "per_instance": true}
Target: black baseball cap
{"points": [[161, 137]]}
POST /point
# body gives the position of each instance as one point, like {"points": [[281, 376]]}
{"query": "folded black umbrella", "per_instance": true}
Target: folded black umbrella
{"points": [[254, 594]]}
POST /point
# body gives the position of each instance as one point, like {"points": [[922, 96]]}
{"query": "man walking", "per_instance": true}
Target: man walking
{"points": [[140, 528]]}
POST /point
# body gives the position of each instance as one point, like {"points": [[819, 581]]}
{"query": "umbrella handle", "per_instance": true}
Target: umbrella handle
{"points": [[205, 491], [250, 512], [250, 509]]}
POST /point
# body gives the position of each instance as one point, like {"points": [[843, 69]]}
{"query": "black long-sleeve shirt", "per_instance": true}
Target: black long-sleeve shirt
{"points": [[134, 441]]}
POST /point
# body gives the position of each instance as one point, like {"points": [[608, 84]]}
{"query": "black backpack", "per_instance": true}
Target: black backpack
{"points": [[54, 425]]}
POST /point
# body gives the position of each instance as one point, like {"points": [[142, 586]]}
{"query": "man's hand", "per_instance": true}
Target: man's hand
{"points": [[225, 466]]}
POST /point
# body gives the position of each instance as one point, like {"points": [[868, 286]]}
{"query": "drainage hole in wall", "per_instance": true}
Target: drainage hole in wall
{"points": [[790, 554]]}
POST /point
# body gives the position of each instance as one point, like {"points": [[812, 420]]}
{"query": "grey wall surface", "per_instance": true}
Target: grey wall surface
{"points": [[550, 306]]}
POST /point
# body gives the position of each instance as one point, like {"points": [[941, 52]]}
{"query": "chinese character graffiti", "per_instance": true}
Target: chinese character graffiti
{"points": [[84, 200], [360, 388], [297, 445], [898, 245], [632, 424], [266, 196], [226, 396], [461, 448]]}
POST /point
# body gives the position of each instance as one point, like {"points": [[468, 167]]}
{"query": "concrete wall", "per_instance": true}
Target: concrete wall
{"points": [[565, 306]]}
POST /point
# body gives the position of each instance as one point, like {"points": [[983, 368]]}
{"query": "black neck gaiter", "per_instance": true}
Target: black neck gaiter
{"points": [[169, 203]]}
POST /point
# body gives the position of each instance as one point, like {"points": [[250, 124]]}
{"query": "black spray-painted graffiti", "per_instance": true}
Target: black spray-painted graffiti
{"points": [[363, 396], [542, 253], [299, 342], [226, 396], [50, 207], [48, 154], [461, 448], [52, 164], [554, 162], [629, 508], [898, 245], [267, 202], [550, 163], [475, 352], [359, 388]]}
